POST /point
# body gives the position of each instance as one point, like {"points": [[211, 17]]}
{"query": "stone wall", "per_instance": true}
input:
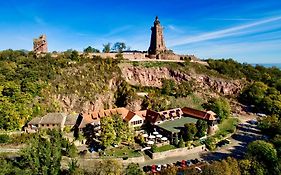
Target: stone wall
{"points": [[129, 56], [177, 152], [133, 160]]}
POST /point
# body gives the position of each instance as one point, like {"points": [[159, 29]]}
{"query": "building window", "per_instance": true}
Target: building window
{"points": [[54, 124], [42, 125], [48, 125]]}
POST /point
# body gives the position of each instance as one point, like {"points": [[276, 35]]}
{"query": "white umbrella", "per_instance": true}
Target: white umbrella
{"points": [[150, 142], [164, 138], [97, 134], [159, 136], [155, 133], [151, 137], [145, 135]]}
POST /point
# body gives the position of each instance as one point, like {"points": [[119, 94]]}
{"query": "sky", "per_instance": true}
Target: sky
{"points": [[244, 30]]}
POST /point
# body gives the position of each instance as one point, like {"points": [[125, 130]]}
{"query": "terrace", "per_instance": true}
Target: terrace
{"points": [[174, 126]]}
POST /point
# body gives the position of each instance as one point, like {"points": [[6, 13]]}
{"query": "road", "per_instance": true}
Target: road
{"points": [[245, 134]]}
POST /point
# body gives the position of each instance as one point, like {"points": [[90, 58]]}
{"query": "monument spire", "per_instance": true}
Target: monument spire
{"points": [[157, 44]]}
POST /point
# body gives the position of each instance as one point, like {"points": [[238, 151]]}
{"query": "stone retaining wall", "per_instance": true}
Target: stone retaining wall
{"points": [[177, 152], [134, 160]]}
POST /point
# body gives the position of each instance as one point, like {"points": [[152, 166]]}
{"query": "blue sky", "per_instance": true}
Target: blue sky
{"points": [[247, 31]]}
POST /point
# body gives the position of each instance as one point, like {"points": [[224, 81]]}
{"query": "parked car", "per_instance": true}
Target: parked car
{"points": [[261, 115], [195, 161], [188, 163], [147, 168], [158, 168], [178, 164], [198, 169], [183, 163], [153, 168]]}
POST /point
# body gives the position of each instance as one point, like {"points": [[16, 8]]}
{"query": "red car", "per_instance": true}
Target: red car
{"points": [[183, 163], [153, 168]]}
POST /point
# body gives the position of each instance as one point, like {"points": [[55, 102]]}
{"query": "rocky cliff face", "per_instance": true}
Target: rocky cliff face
{"points": [[153, 77]]}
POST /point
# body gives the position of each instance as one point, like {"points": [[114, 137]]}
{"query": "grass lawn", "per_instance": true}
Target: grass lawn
{"points": [[122, 152], [175, 125], [227, 126], [165, 148]]}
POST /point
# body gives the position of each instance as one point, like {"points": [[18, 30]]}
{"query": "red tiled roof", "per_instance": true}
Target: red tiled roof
{"points": [[194, 113], [152, 116], [142, 114], [95, 116], [129, 116]]}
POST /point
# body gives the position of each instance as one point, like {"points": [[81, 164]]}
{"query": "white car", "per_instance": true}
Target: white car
{"points": [[198, 169], [158, 168]]}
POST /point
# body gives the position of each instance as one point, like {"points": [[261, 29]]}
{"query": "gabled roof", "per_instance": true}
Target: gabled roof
{"points": [[35, 121], [71, 119], [95, 116], [203, 115], [53, 118], [142, 113], [152, 116], [50, 118], [129, 116]]}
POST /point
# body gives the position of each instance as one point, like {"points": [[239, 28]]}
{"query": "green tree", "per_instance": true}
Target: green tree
{"points": [[73, 168], [90, 49], [119, 47], [7, 168], [106, 48], [107, 167], [133, 169], [245, 167], [181, 143], [172, 170], [255, 93], [43, 155], [220, 106], [123, 131], [108, 134], [189, 131], [201, 126], [71, 150], [4, 138], [217, 168], [168, 87], [184, 89], [124, 94], [233, 166], [264, 155]]}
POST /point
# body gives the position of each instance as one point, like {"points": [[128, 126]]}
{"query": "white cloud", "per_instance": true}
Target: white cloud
{"points": [[230, 19], [220, 33], [174, 29]]}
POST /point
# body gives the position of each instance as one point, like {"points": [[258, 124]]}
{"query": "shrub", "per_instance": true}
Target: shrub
{"points": [[4, 138], [153, 148], [210, 143], [181, 143]]}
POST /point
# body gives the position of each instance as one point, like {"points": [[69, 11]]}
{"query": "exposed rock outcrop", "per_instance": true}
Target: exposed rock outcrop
{"points": [[153, 77]]}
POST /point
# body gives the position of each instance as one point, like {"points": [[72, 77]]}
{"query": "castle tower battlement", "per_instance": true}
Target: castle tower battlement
{"points": [[40, 44]]}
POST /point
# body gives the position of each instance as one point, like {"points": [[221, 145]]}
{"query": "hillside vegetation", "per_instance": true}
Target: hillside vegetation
{"points": [[34, 85]]}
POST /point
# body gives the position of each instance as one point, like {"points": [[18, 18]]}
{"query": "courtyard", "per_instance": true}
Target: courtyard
{"points": [[174, 126]]}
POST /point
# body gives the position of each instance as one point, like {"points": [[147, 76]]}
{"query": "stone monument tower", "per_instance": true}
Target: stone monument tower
{"points": [[157, 44], [40, 44]]}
